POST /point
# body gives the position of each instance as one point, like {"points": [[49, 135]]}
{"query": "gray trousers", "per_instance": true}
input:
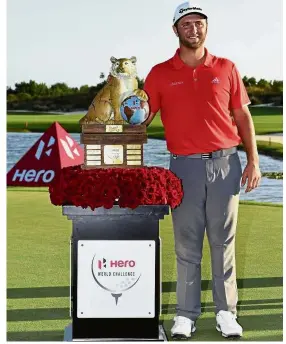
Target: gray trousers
{"points": [[210, 202]]}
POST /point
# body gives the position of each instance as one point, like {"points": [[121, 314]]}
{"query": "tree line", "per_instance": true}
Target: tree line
{"points": [[60, 97]]}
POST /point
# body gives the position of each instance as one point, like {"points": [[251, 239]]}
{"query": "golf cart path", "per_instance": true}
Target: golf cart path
{"points": [[271, 138]]}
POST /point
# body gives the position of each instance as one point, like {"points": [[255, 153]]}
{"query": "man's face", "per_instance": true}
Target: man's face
{"points": [[191, 30]]}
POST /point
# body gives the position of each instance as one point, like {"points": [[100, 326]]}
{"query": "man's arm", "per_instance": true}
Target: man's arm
{"points": [[244, 123], [152, 89]]}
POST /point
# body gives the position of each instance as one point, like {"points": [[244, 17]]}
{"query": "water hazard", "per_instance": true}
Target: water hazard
{"points": [[156, 154]]}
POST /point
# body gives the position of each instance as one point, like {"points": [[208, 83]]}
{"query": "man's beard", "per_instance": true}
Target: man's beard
{"points": [[192, 46]]}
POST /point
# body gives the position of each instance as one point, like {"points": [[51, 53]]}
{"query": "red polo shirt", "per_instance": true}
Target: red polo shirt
{"points": [[196, 103]]}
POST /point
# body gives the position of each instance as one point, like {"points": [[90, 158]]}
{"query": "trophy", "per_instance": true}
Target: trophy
{"points": [[112, 131]]}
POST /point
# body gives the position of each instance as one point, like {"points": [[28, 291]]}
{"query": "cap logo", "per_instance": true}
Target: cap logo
{"points": [[182, 10]]}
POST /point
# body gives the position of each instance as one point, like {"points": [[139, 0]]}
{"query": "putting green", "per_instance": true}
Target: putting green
{"points": [[38, 271]]}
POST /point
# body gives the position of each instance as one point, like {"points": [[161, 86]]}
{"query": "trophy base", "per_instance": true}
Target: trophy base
{"points": [[84, 167], [107, 146], [68, 337]]}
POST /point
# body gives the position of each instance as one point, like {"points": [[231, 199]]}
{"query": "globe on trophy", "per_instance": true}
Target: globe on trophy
{"points": [[134, 110]]}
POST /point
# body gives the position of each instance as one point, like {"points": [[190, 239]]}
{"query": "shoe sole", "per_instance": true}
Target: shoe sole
{"points": [[182, 336], [230, 335]]}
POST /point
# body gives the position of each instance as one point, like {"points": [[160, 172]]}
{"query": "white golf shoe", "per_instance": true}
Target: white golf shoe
{"points": [[227, 324], [183, 328]]}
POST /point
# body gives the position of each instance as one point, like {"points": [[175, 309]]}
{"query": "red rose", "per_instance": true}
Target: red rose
{"points": [[108, 203], [100, 187]]}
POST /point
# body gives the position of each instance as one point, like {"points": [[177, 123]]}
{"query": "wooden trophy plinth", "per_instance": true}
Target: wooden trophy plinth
{"points": [[107, 146]]}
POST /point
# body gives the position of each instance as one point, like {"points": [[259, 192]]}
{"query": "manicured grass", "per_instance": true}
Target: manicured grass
{"points": [[268, 124], [27, 113], [272, 149], [40, 123], [38, 271], [266, 120], [266, 110]]}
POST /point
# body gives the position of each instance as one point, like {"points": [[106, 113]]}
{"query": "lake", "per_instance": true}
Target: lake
{"points": [[156, 154]]}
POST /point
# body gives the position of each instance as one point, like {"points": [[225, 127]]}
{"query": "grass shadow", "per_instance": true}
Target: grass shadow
{"points": [[37, 314], [36, 336], [259, 282], [40, 292], [244, 305], [167, 287]]}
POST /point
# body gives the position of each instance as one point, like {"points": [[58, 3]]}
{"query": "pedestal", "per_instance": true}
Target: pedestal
{"points": [[115, 273]]}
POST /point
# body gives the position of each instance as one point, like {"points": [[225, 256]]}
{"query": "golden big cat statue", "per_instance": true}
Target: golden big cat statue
{"points": [[121, 83]]}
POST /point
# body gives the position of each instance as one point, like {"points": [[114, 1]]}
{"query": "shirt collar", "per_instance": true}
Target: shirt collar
{"points": [[178, 63]]}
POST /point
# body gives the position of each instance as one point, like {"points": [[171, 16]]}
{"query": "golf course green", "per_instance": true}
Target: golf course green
{"points": [[266, 120], [38, 271]]}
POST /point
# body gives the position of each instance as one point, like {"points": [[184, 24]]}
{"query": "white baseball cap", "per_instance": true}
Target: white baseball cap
{"points": [[187, 8]]}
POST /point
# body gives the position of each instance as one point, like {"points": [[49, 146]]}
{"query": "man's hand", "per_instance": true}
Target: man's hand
{"points": [[149, 119], [245, 126], [252, 174]]}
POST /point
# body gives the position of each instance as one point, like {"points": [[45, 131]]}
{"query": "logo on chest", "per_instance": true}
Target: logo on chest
{"points": [[176, 83], [215, 81]]}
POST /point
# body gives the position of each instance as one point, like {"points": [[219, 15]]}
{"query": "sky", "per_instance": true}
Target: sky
{"points": [[72, 41]]}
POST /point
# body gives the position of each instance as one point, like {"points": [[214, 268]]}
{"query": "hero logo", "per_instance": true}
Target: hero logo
{"points": [[67, 145], [116, 263], [115, 276], [34, 176], [46, 176], [41, 146], [102, 263]]}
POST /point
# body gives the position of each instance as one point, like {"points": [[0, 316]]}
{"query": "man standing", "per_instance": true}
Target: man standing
{"points": [[204, 111]]}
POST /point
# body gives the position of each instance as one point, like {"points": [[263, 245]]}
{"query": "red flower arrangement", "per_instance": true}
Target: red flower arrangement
{"points": [[127, 187]]}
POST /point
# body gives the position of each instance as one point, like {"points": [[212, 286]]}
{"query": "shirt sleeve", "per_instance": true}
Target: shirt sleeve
{"points": [[238, 94], [152, 90]]}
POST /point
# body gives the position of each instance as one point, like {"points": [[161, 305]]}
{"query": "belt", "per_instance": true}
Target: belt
{"points": [[211, 155]]}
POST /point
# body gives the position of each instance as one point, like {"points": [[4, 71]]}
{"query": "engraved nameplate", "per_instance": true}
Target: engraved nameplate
{"points": [[93, 147], [93, 163], [113, 154], [133, 157], [93, 157], [93, 151], [113, 128], [133, 146], [129, 151], [133, 162]]}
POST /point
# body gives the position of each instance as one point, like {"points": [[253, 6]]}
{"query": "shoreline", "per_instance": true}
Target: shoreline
{"points": [[268, 148]]}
